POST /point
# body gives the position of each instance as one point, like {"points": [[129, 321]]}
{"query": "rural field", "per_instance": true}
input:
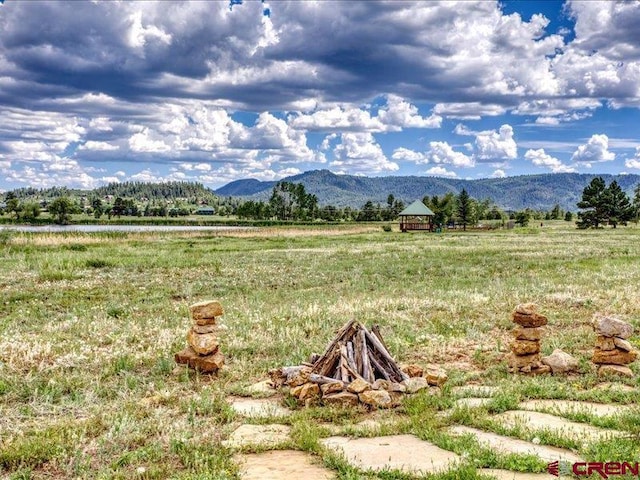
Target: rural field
{"points": [[89, 324]]}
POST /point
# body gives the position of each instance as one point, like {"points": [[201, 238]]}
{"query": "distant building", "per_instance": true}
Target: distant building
{"points": [[416, 216], [206, 211]]}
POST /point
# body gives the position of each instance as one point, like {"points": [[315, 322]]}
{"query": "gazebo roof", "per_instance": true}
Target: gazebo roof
{"points": [[416, 209]]}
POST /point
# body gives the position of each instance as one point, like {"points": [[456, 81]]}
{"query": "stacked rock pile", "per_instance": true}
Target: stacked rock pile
{"points": [[356, 368], [613, 353], [525, 347], [203, 352]]}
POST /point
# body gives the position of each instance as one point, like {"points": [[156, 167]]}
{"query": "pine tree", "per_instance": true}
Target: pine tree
{"points": [[594, 200], [636, 202], [465, 208], [618, 206]]}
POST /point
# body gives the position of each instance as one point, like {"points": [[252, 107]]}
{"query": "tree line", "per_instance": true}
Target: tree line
{"points": [[607, 205], [600, 205]]}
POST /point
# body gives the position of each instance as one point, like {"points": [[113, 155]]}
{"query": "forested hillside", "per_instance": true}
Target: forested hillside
{"points": [[133, 190], [539, 192]]}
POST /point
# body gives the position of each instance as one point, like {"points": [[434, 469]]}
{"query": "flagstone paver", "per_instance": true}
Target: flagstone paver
{"points": [[262, 388], [509, 445], [264, 435], [472, 402], [399, 452], [561, 426], [259, 407], [476, 390], [615, 386], [563, 407], [281, 465]]}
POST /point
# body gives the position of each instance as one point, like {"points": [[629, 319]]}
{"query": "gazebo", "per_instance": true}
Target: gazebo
{"points": [[416, 216]]}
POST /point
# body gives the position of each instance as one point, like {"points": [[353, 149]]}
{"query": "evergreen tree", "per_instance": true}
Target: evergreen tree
{"points": [[593, 204], [368, 212], [619, 208], [556, 213], [465, 209], [98, 208], [636, 202], [118, 207], [522, 218], [568, 217]]}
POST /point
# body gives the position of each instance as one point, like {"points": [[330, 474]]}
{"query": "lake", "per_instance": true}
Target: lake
{"points": [[119, 228]]}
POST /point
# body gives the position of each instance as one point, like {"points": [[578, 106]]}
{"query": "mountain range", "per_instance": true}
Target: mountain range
{"points": [[540, 192]]}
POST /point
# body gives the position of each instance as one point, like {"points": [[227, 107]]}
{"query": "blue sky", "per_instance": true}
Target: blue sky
{"points": [[98, 92]]}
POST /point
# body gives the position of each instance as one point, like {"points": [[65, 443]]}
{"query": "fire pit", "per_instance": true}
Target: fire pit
{"points": [[356, 368]]}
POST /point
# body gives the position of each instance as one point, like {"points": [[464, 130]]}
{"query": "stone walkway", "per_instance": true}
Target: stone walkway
{"points": [[281, 465], [406, 453], [267, 436], [260, 408], [472, 402], [563, 407], [543, 421], [509, 445], [475, 390]]}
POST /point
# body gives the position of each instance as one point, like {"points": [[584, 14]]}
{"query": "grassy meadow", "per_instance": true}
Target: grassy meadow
{"points": [[89, 324]]}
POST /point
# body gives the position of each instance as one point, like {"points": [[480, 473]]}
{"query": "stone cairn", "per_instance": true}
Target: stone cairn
{"points": [[203, 352], [613, 353], [356, 368], [525, 347]]}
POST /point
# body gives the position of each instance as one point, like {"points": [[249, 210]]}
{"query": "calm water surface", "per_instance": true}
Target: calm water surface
{"points": [[120, 228]]}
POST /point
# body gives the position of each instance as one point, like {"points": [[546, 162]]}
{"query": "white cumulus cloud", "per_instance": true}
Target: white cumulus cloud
{"points": [[441, 152], [395, 116], [542, 159], [495, 146], [361, 154], [441, 172], [142, 142], [399, 114], [338, 119], [635, 161], [408, 155], [139, 35], [595, 150], [95, 145]]}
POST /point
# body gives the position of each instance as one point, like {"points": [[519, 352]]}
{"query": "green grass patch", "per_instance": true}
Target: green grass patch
{"points": [[89, 324]]}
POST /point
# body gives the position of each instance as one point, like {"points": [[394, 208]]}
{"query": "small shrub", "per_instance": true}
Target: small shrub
{"points": [[51, 275], [386, 228], [115, 311], [97, 263]]}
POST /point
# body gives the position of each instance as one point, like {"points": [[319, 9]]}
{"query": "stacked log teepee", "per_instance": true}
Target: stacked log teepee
{"points": [[355, 368], [357, 353]]}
